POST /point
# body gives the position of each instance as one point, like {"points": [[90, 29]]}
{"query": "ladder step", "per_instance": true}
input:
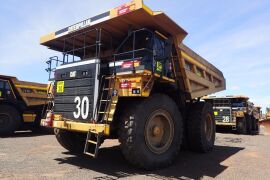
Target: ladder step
{"points": [[90, 154], [106, 89], [94, 132], [102, 112], [105, 100], [93, 142]]}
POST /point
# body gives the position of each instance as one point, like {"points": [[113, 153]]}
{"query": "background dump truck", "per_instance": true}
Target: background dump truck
{"points": [[126, 74], [237, 112], [20, 103]]}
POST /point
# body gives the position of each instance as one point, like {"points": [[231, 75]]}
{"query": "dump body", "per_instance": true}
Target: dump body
{"points": [[27, 98], [200, 77], [32, 94]]}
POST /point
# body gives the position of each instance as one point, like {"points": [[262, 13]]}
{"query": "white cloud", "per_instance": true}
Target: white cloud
{"points": [[233, 88]]}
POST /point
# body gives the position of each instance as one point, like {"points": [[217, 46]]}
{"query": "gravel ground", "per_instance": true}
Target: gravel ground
{"points": [[39, 156]]}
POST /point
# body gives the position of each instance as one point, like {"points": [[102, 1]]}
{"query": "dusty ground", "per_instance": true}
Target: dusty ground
{"points": [[39, 156]]}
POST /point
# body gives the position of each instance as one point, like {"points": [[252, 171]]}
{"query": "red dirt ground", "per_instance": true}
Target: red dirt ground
{"points": [[266, 125]]}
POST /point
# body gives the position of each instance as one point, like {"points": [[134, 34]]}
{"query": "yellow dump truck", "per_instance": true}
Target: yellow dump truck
{"points": [[20, 103], [236, 112], [126, 74]]}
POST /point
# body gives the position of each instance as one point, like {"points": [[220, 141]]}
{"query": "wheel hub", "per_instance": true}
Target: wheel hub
{"points": [[156, 131], [159, 131]]}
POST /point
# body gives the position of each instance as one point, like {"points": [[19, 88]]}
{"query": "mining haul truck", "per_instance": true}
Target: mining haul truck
{"points": [[126, 74], [21, 103], [236, 112]]}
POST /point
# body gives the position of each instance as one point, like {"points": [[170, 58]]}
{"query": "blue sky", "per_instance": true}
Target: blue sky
{"points": [[233, 35]]}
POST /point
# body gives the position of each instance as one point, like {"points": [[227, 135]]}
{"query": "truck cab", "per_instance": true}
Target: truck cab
{"points": [[6, 92]]}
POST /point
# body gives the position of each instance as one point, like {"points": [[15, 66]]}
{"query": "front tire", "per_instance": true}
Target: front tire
{"points": [[201, 127], [10, 120], [151, 132], [241, 125], [71, 141]]}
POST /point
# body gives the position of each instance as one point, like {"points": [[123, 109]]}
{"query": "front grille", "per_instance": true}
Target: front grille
{"points": [[223, 114], [79, 84]]}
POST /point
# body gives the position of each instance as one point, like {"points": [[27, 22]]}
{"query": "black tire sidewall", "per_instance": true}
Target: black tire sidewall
{"points": [[145, 157], [14, 122], [69, 140], [208, 110], [142, 115], [196, 136], [241, 125]]}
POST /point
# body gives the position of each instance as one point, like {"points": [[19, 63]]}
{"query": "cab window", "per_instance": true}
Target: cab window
{"points": [[7, 87], [159, 48], [1, 84]]}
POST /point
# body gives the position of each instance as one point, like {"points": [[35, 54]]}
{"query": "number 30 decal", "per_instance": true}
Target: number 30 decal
{"points": [[82, 107]]}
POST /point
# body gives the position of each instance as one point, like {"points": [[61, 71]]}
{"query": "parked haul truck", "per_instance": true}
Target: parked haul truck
{"points": [[21, 103], [126, 74], [236, 112]]}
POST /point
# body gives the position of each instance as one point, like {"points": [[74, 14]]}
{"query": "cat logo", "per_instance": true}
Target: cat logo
{"points": [[72, 74]]}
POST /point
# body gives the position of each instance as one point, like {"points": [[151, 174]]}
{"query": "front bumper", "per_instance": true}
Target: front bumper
{"points": [[226, 124], [80, 127]]}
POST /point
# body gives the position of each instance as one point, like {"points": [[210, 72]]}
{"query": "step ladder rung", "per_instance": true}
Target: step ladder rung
{"points": [[106, 89], [91, 145], [103, 112], [94, 132], [103, 100], [90, 154], [93, 142]]}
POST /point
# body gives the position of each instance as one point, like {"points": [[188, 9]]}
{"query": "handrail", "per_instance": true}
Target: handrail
{"points": [[52, 68]]}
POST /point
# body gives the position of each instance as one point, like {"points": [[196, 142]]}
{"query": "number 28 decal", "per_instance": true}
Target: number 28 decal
{"points": [[82, 107], [226, 119]]}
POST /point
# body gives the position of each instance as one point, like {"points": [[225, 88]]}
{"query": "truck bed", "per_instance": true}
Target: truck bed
{"points": [[33, 94], [199, 76]]}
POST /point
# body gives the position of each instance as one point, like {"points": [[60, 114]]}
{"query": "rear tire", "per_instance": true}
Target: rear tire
{"points": [[151, 132], [201, 127], [255, 126], [71, 141], [10, 120]]}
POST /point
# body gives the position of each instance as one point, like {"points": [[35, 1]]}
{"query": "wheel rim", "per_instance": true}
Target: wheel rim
{"points": [[208, 127], [4, 120], [159, 131]]}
